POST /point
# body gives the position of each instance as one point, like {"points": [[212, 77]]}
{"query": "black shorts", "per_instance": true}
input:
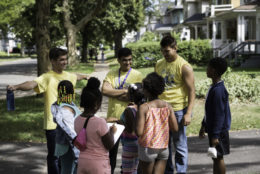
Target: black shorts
{"points": [[223, 148]]}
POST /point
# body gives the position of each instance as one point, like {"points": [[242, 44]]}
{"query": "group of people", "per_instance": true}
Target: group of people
{"points": [[155, 111]]}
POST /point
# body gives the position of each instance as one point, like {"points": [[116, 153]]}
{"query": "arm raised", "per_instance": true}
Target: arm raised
{"points": [[26, 86]]}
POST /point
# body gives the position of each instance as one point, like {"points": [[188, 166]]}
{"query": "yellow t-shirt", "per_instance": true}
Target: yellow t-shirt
{"points": [[115, 106], [48, 84], [175, 90]]}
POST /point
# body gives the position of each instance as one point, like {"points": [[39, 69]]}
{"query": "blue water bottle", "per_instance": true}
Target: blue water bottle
{"points": [[10, 100]]}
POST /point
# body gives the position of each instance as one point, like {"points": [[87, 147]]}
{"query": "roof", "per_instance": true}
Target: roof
{"points": [[164, 27], [174, 8], [251, 6], [198, 17], [245, 8]]}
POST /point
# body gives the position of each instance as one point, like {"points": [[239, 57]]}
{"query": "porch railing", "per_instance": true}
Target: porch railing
{"points": [[226, 49], [210, 11], [246, 48]]}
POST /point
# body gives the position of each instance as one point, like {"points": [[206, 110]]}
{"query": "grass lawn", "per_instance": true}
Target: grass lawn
{"points": [[84, 68], [244, 116], [26, 122]]}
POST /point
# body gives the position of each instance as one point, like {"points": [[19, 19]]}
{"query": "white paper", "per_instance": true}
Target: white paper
{"points": [[212, 152], [119, 130]]}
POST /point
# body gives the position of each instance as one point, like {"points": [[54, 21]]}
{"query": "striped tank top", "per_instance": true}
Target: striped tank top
{"points": [[156, 128]]}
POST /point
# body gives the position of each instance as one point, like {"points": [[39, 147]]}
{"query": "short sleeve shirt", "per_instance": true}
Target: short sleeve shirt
{"points": [[96, 129], [48, 84], [115, 106]]}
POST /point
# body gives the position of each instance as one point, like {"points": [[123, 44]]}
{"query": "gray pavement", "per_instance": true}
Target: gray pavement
{"points": [[15, 72], [30, 158]]}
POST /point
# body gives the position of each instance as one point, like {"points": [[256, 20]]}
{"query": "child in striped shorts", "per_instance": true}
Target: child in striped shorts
{"points": [[128, 137]]}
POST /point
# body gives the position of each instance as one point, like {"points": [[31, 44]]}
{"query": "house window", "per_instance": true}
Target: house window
{"points": [[248, 1], [221, 2]]}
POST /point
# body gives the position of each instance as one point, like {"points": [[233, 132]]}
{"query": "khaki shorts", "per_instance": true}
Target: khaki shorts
{"points": [[149, 155]]}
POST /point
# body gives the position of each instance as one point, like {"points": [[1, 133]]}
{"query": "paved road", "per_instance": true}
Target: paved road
{"points": [[30, 158], [15, 72]]}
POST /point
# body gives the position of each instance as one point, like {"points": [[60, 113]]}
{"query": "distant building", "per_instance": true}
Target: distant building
{"points": [[7, 42], [232, 26]]}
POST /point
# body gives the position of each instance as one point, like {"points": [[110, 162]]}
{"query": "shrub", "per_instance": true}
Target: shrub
{"points": [[196, 51], [16, 50], [241, 88], [147, 53], [149, 37]]}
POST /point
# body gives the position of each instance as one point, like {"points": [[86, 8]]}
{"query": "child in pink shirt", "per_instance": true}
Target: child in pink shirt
{"points": [[99, 138]]}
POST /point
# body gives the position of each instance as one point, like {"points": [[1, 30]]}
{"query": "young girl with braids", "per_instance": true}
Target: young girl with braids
{"points": [[154, 119], [128, 137], [99, 138], [64, 112]]}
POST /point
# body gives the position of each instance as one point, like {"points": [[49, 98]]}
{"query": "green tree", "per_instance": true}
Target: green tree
{"points": [[76, 15], [121, 17], [24, 26], [91, 36], [12, 18]]}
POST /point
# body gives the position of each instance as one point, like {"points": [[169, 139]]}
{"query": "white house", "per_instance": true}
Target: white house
{"points": [[234, 27], [7, 43]]}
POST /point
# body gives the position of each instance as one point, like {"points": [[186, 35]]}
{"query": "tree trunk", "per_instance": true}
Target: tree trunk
{"points": [[118, 41], [71, 44], [42, 35], [22, 48], [84, 45], [70, 33]]}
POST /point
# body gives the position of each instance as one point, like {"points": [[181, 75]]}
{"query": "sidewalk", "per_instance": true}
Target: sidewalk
{"points": [[30, 158]]}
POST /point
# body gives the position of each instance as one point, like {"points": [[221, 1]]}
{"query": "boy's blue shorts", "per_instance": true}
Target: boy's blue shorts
{"points": [[223, 148]]}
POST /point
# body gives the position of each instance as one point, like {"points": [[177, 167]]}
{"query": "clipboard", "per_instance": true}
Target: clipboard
{"points": [[119, 130]]}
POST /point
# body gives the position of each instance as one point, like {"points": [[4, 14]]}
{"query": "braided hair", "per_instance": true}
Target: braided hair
{"points": [[65, 92]]}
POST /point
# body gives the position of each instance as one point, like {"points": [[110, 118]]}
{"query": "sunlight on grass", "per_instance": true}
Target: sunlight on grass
{"points": [[243, 116], [25, 123], [84, 68]]}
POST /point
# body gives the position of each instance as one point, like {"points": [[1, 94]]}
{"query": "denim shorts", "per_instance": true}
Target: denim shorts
{"points": [[149, 155], [223, 148]]}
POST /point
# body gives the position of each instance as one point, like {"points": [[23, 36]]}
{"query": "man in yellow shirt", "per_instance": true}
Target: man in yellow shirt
{"points": [[115, 86], [180, 93], [47, 83]]}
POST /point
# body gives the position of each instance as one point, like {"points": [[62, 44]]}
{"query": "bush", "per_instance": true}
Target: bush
{"points": [[241, 88], [147, 53], [16, 50], [149, 37], [196, 51]]}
